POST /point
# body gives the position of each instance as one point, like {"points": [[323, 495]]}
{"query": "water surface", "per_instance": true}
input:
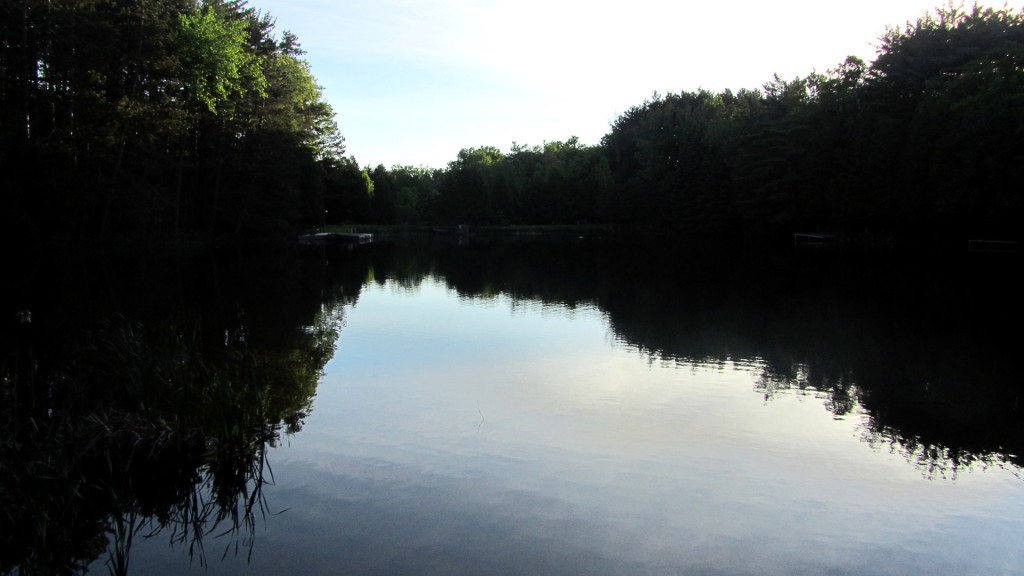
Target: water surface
{"points": [[585, 407], [483, 431]]}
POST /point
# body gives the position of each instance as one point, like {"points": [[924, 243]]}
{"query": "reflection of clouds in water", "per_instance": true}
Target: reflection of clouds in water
{"points": [[506, 434], [562, 385], [531, 504], [529, 358]]}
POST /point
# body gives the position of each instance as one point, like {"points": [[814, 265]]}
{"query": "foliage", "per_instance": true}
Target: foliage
{"points": [[924, 138], [149, 116], [214, 57], [922, 143], [152, 115]]}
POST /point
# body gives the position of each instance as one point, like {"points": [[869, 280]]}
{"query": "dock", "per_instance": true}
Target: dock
{"points": [[814, 239], [338, 238]]}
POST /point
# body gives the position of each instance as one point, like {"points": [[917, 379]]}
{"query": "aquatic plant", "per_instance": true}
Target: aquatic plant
{"points": [[133, 431]]}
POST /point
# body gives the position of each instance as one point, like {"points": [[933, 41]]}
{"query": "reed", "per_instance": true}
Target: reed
{"points": [[131, 433]]}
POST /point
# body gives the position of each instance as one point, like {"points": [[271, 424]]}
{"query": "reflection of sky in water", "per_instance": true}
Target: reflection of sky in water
{"points": [[485, 436]]}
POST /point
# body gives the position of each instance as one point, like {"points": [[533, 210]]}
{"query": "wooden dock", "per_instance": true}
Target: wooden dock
{"points": [[338, 238], [814, 239]]}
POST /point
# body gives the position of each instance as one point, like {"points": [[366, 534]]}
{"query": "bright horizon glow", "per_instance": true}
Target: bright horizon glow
{"points": [[412, 83]]}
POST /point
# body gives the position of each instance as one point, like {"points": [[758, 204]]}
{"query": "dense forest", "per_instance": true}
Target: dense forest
{"points": [[159, 115], [926, 140], [184, 116]]}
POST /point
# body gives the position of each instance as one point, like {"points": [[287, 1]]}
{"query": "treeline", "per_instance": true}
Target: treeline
{"points": [[928, 138], [159, 115], [193, 115], [557, 182]]}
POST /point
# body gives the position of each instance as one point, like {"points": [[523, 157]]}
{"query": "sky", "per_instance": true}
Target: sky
{"points": [[414, 81]]}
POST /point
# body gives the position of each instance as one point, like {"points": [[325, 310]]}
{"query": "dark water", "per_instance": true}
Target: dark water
{"points": [[515, 406]]}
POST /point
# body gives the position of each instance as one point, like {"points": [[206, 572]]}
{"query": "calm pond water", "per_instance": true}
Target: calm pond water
{"points": [[589, 406]]}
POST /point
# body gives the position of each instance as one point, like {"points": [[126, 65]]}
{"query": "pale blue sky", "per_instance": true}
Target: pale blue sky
{"points": [[413, 82]]}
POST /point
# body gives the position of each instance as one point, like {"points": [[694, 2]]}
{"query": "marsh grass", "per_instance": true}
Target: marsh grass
{"points": [[135, 433]]}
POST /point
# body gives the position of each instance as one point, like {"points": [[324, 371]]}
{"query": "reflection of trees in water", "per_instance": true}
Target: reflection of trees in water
{"points": [[142, 432], [157, 425], [937, 460], [160, 421], [949, 410], [840, 396], [915, 352], [909, 341], [941, 437]]}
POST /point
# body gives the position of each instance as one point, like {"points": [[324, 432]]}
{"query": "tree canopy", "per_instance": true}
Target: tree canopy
{"points": [[193, 115], [925, 140], [155, 115]]}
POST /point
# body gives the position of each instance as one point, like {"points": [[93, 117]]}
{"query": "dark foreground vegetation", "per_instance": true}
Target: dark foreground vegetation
{"points": [[141, 393], [168, 116]]}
